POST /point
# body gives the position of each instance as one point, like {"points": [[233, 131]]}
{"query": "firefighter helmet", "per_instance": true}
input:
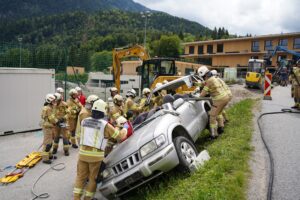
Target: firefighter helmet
{"points": [[73, 91], [60, 90], [113, 89], [202, 71], [78, 89], [131, 93], [99, 105], [92, 98], [214, 72], [146, 91], [117, 98], [57, 96], [49, 98]]}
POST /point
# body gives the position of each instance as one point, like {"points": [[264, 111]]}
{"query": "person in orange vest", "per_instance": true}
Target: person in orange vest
{"points": [[93, 134]]}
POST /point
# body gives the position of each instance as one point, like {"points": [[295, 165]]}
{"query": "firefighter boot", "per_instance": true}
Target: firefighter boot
{"points": [[213, 133], [66, 146], [220, 130], [55, 145]]}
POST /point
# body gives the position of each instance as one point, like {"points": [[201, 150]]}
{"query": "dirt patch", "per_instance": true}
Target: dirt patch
{"points": [[240, 92]]}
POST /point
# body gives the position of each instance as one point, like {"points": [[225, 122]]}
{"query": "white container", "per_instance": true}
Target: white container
{"points": [[230, 74], [23, 92]]}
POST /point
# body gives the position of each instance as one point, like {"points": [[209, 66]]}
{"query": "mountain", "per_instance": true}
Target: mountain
{"points": [[14, 9]]}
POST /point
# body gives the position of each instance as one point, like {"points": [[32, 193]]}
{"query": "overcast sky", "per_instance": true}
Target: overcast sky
{"points": [[238, 16]]}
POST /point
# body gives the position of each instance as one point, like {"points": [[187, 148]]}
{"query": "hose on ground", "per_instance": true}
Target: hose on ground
{"points": [[271, 159], [56, 167]]}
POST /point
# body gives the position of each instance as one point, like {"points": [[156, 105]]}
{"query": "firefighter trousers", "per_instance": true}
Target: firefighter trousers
{"points": [[47, 143], [58, 132], [297, 95], [72, 129], [216, 112], [86, 171]]}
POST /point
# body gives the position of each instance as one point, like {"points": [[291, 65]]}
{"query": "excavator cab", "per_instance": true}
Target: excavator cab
{"points": [[255, 73], [157, 70]]}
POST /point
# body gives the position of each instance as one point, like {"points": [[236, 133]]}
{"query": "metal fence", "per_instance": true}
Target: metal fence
{"points": [[42, 56]]}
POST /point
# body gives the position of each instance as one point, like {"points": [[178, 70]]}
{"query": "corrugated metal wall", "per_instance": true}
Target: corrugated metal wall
{"points": [[22, 97]]}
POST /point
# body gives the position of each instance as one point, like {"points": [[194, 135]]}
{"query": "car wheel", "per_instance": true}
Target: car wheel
{"points": [[186, 152]]}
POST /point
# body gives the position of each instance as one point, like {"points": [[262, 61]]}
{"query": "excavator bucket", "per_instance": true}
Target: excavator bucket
{"points": [[30, 160]]}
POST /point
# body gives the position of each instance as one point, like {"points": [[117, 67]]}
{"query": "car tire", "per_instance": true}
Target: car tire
{"points": [[186, 152]]}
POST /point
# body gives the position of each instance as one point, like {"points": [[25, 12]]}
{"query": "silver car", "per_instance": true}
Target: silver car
{"points": [[163, 141]]}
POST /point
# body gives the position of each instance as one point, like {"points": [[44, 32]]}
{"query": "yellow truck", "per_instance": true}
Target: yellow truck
{"points": [[255, 73]]}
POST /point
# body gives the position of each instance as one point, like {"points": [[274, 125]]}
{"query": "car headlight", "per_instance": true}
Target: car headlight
{"points": [[107, 173], [152, 145]]}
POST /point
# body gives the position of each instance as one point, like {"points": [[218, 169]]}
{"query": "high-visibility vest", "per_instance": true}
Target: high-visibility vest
{"points": [[92, 133]]}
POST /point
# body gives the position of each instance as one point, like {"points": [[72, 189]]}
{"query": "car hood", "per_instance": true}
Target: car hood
{"points": [[140, 137]]}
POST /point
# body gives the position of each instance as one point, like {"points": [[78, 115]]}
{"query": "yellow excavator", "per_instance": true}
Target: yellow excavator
{"points": [[152, 71]]}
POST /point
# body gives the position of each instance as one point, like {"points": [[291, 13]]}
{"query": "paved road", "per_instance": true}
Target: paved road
{"points": [[282, 133], [58, 184]]}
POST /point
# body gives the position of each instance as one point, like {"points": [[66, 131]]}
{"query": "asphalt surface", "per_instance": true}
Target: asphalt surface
{"points": [[59, 184], [282, 133]]}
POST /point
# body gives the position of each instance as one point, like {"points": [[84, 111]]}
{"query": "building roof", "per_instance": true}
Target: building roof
{"points": [[244, 38]]}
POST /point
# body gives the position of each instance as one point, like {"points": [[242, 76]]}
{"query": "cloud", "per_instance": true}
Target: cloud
{"points": [[238, 16]]}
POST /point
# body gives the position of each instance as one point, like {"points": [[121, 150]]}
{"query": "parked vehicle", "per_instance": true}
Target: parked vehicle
{"points": [[163, 141]]}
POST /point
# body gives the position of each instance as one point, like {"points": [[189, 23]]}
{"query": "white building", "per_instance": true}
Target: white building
{"points": [[100, 83]]}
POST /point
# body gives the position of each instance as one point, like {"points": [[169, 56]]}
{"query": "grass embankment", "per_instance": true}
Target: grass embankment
{"points": [[223, 177]]}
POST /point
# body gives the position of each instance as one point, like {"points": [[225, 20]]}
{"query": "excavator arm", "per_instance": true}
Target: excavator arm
{"points": [[119, 53]]}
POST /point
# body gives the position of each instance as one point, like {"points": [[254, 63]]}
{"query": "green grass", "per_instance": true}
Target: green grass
{"points": [[223, 177]]}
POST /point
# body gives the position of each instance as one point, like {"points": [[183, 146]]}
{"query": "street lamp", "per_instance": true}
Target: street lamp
{"points": [[146, 15], [20, 43]]}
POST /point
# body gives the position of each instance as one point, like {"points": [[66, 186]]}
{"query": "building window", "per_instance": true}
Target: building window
{"points": [[200, 49], [220, 48], [191, 50], [297, 43], [283, 43], [255, 46], [268, 45], [210, 48]]}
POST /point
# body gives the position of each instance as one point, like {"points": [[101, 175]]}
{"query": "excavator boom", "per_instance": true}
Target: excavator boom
{"points": [[119, 53]]}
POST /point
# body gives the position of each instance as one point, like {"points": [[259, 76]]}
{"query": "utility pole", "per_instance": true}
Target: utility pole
{"points": [[20, 45], [145, 15]]}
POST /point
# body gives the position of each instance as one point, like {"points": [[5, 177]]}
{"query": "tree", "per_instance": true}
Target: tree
{"points": [[101, 60], [167, 46]]}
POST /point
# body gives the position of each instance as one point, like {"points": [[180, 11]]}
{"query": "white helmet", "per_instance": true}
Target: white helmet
{"points": [[121, 121], [73, 91], [118, 97], [49, 98], [158, 85], [78, 89], [131, 93], [146, 91], [202, 70], [113, 89], [60, 90], [57, 96], [214, 72], [99, 105], [92, 98]]}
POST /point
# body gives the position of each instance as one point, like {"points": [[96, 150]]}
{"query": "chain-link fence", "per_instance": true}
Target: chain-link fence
{"points": [[43, 56]]}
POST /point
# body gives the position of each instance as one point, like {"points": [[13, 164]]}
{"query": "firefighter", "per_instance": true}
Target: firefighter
{"points": [[219, 96], [113, 92], [130, 103], [85, 113], [48, 123], [296, 85], [142, 106], [117, 108], [223, 118], [61, 91], [61, 113], [94, 130], [74, 108]]}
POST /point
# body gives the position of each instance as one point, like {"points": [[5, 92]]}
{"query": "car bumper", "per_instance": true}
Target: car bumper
{"points": [[252, 84], [162, 161]]}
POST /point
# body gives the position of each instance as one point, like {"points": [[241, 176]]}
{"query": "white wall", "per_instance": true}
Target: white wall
{"points": [[22, 97]]}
